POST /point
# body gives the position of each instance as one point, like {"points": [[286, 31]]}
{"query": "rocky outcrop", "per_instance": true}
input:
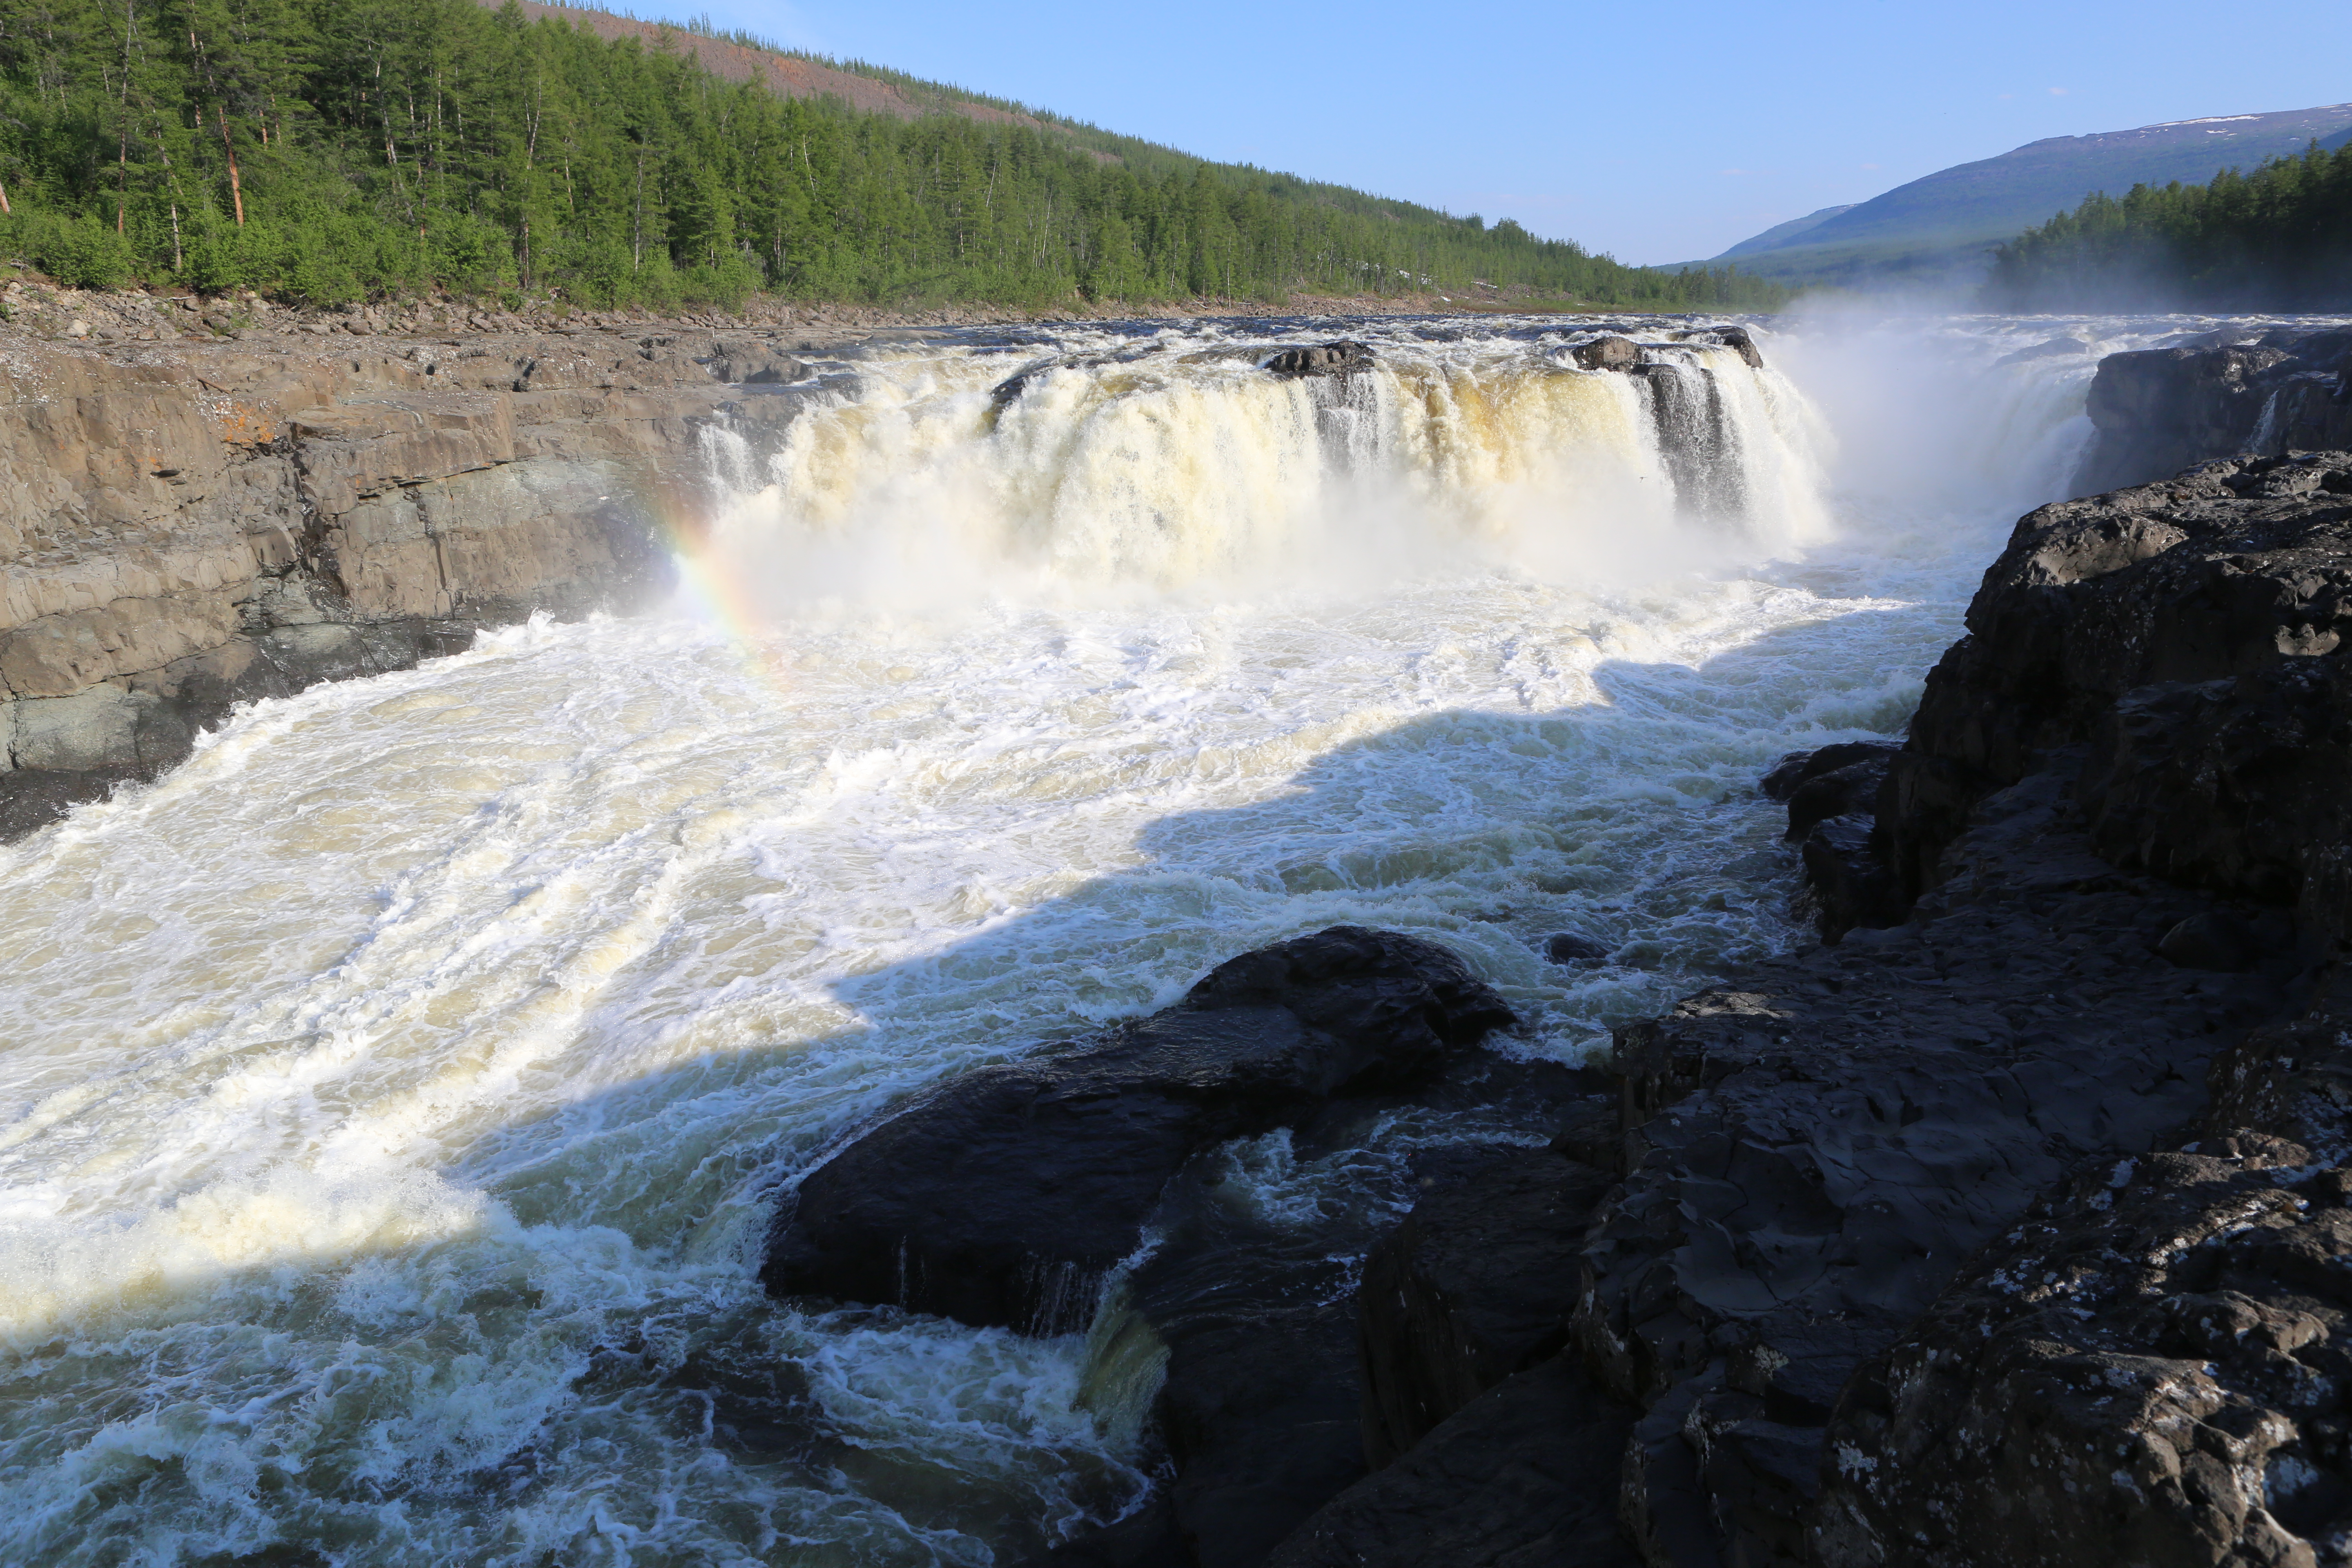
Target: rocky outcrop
{"points": [[2186, 634], [2159, 411], [190, 525], [1006, 1197], [2151, 1369], [1344, 356], [1607, 351]]}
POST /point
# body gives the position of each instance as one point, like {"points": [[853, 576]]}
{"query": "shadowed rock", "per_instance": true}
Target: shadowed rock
{"points": [[1524, 1475], [1003, 1197], [1475, 1285]]}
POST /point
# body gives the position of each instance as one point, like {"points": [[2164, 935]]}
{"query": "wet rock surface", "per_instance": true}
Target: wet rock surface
{"points": [[2159, 411], [2152, 1368], [1343, 357], [1004, 1197], [1526, 1474], [1475, 1285]]}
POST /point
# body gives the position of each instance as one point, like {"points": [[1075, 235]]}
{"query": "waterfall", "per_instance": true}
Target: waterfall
{"points": [[1181, 462]]}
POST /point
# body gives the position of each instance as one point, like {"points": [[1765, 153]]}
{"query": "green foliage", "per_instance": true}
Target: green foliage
{"points": [[2279, 238], [384, 146]]}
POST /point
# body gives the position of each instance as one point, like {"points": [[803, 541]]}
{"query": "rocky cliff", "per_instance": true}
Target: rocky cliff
{"points": [[2008, 1227], [2159, 411], [197, 515]]}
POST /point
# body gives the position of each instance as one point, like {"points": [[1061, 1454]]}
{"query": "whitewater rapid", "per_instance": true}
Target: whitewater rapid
{"points": [[393, 1096]]}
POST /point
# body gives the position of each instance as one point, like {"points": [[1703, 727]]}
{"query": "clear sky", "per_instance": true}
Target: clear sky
{"points": [[1657, 131]]}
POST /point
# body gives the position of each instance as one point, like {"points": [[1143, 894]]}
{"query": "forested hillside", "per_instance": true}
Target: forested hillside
{"points": [[2279, 238], [324, 150]]}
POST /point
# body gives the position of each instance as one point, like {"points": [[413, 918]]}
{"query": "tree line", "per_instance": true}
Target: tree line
{"points": [[327, 150], [2278, 238]]}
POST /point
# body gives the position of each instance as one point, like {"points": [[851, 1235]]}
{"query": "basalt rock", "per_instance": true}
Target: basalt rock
{"points": [[2152, 1368], [1343, 357], [1608, 353], [1525, 1474], [2158, 411], [2188, 634], [1475, 1285], [1003, 1197], [1833, 796], [1738, 339], [1812, 1154]]}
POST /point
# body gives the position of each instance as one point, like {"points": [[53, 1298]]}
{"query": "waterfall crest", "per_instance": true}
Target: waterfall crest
{"points": [[1183, 462]]}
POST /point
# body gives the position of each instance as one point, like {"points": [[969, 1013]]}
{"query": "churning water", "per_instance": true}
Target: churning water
{"points": [[393, 1096]]}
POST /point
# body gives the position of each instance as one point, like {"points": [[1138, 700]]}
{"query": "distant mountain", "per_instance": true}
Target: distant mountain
{"points": [[1940, 229], [1783, 234]]}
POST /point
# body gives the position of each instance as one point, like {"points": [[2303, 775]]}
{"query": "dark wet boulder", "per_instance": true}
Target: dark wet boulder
{"points": [[1609, 351], [1797, 768], [1833, 794], [1740, 340], [1343, 357], [1476, 1284], [1839, 792], [1524, 1475], [1004, 1195], [1573, 951]]}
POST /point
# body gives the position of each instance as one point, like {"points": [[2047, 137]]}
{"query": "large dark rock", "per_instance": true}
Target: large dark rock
{"points": [[2158, 411], [1833, 796], [1741, 342], [2152, 1369], [2188, 633], [1477, 1284], [1608, 351], [1523, 1476], [1004, 1196], [1813, 1155], [1254, 1316]]}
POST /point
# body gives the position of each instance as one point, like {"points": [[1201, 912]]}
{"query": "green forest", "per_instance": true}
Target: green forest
{"points": [[2277, 238], [327, 150]]}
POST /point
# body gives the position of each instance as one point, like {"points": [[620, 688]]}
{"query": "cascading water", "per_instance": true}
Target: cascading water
{"points": [[395, 1094]]}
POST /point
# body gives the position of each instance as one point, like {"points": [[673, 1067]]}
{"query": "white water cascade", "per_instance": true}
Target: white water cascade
{"points": [[394, 1095]]}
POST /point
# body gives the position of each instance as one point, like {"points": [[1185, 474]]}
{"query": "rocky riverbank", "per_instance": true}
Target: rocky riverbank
{"points": [[2008, 1227], [2264, 392], [197, 518]]}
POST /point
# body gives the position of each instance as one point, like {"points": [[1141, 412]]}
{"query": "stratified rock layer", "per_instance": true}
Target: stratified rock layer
{"points": [[185, 525]]}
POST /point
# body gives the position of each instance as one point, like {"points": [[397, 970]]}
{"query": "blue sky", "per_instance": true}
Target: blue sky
{"points": [[1659, 132]]}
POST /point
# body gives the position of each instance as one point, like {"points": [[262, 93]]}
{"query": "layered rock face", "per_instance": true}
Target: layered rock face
{"points": [[2159, 411], [191, 524]]}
